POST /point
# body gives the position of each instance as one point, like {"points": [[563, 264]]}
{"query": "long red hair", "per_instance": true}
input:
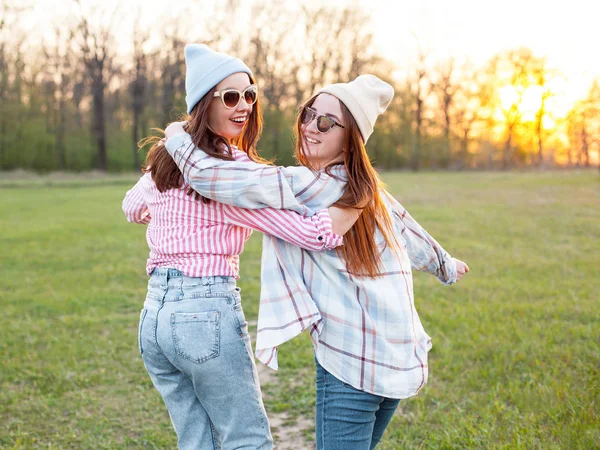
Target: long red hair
{"points": [[165, 173], [362, 191]]}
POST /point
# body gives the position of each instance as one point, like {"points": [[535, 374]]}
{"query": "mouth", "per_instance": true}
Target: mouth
{"points": [[240, 120], [312, 141]]}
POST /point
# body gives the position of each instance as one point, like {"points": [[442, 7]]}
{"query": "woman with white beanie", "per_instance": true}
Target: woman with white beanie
{"points": [[356, 301], [193, 337]]}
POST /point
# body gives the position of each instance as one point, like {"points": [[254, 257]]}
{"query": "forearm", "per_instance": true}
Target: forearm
{"points": [[244, 184], [425, 253], [310, 233], [134, 206]]}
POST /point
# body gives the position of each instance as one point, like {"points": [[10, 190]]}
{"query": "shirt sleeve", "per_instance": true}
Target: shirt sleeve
{"points": [[134, 205], [425, 253], [310, 233], [249, 185]]}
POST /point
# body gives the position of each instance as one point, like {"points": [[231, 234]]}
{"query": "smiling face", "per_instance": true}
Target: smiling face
{"points": [[319, 148], [225, 122]]}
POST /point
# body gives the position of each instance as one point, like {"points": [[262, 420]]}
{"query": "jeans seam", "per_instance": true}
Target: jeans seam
{"points": [[142, 319], [155, 330], [213, 434], [231, 296], [323, 421], [251, 363]]}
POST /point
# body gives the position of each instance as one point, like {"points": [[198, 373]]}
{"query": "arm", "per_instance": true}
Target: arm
{"points": [[250, 185], [134, 206], [423, 250], [310, 233]]}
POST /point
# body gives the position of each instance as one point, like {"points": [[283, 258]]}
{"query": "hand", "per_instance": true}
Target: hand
{"points": [[174, 129], [342, 219], [461, 268]]}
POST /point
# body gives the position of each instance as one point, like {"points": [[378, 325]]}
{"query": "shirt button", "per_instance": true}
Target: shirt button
{"points": [[320, 238]]}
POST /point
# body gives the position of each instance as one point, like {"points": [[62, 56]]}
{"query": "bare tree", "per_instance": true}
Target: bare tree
{"points": [[592, 113], [9, 57], [138, 88], [467, 112], [273, 66], [322, 26], [173, 73], [95, 44], [444, 88], [515, 72], [356, 42], [583, 128], [541, 76], [418, 85], [58, 86], [337, 45]]}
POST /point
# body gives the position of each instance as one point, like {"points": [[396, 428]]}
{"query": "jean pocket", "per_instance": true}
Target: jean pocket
{"points": [[196, 335], [142, 317]]}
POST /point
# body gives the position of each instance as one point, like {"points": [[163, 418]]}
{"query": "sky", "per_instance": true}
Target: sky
{"points": [[566, 33]]}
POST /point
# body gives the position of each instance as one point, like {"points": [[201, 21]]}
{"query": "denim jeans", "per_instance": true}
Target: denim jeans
{"points": [[193, 338], [348, 418]]}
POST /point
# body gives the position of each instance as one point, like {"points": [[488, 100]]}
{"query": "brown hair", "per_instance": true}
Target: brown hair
{"points": [[362, 191], [165, 173]]}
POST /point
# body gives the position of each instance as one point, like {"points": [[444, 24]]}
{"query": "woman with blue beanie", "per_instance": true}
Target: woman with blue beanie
{"points": [[356, 301], [193, 337]]}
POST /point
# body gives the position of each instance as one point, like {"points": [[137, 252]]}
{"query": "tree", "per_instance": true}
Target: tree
{"points": [[138, 88], [584, 127], [541, 78], [95, 44], [418, 86], [467, 112], [273, 68], [444, 88], [58, 82], [11, 72]]}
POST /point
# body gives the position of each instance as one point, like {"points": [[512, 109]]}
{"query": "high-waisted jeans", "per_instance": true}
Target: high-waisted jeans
{"points": [[193, 338]]}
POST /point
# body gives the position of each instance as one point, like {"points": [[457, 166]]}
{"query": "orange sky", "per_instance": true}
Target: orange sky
{"points": [[567, 33]]}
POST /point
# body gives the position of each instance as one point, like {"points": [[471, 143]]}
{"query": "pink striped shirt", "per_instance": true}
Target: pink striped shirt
{"points": [[203, 239]]}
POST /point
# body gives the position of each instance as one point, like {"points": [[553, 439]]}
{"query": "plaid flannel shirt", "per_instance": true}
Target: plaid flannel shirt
{"points": [[365, 331]]}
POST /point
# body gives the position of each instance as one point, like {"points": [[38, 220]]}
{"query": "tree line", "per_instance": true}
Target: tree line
{"points": [[76, 101]]}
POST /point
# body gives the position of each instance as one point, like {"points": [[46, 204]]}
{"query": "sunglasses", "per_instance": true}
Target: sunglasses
{"points": [[231, 97], [324, 123]]}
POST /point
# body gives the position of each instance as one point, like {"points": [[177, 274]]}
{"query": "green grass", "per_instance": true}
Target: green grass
{"points": [[516, 355]]}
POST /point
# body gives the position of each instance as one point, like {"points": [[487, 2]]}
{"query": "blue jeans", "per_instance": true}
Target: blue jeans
{"points": [[348, 418], [194, 342]]}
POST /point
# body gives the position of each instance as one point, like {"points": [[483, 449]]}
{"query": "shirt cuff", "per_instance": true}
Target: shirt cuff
{"points": [[326, 236], [449, 274], [177, 142]]}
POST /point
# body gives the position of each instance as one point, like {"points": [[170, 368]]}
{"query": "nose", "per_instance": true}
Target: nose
{"points": [[243, 106], [312, 127]]}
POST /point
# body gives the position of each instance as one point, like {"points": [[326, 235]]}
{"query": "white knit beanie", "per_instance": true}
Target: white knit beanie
{"points": [[366, 97]]}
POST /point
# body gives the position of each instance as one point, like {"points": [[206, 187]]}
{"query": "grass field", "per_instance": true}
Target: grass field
{"points": [[516, 355]]}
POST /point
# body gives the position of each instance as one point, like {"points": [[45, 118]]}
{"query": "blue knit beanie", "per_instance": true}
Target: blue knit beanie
{"points": [[205, 69]]}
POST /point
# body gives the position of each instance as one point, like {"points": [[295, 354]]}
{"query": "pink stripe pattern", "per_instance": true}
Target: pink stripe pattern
{"points": [[203, 239]]}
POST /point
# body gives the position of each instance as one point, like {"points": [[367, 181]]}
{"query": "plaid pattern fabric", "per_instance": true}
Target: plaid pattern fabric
{"points": [[366, 332]]}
